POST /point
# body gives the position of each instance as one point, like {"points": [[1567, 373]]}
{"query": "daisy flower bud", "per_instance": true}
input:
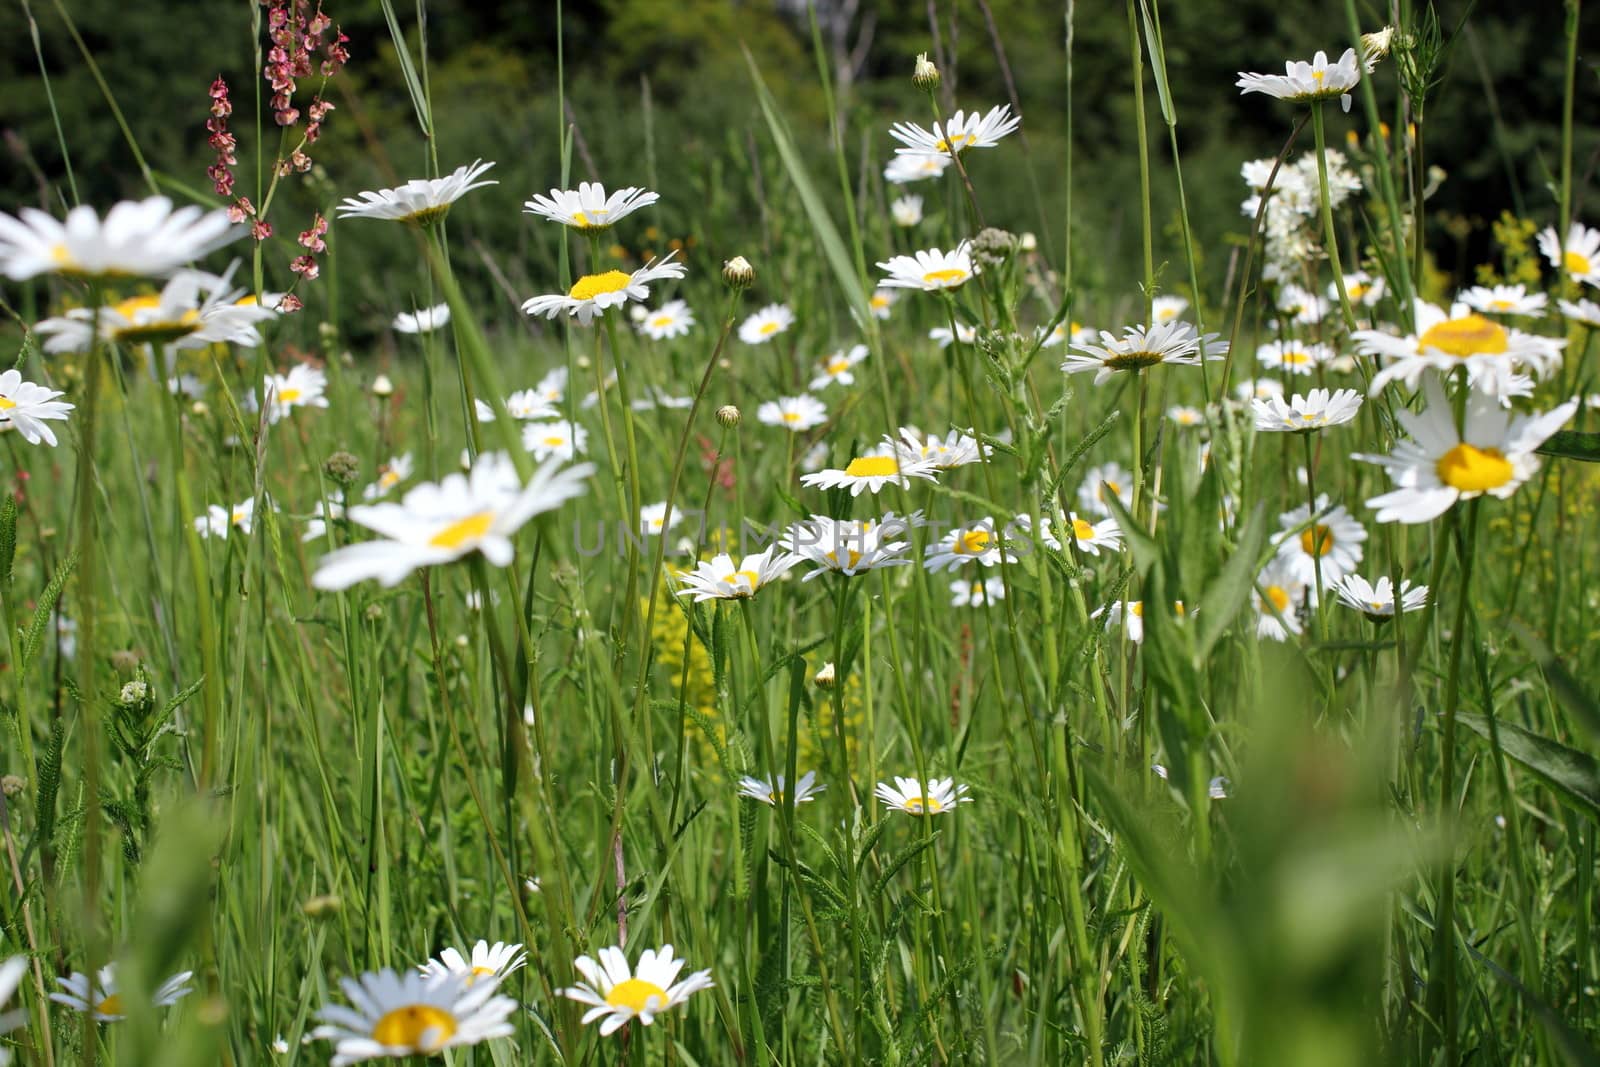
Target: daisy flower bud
{"points": [[737, 273], [342, 469], [826, 676], [728, 416], [925, 75], [382, 386]]}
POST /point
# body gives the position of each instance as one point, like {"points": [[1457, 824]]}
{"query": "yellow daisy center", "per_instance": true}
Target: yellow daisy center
{"points": [[945, 276], [1470, 335], [769, 328], [873, 467], [1137, 607], [635, 994], [791, 416], [915, 805], [388, 479], [111, 1005], [879, 301], [6, 403], [1082, 530], [289, 396], [1503, 305], [555, 441], [972, 543], [1279, 598], [1472, 469], [412, 1025], [661, 322], [62, 258], [732, 578], [463, 531], [854, 557], [960, 141], [592, 285], [1296, 357], [1576, 262], [1317, 541], [1318, 75], [1357, 291], [1100, 490], [837, 367]]}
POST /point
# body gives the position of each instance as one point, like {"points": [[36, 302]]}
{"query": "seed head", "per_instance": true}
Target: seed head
{"points": [[342, 468]]}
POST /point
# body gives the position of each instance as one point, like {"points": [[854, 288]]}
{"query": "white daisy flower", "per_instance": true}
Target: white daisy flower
{"points": [[929, 270], [11, 973], [592, 294], [99, 996], [435, 523], [1578, 256], [26, 408], [763, 790], [1295, 357], [654, 521], [1175, 342], [421, 200], [672, 319], [525, 404], [1306, 82], [1439, 466], [194, 309], [794, 413], [487, 961], [302, 387], [1460, 337], [219, 521], [1505, 300], [423, 320], [906, 210], [870, 474], [978, 541], [1361, 288], [589, 209], [1258, 389], [766, 324], [721, 579], [957, 448], [1333, 541], [137, 239], [1277, 598], [1186, 417], [1584, 311], [411, 1014], [1376, 599], [1135, 612], [837, 367], [881, 302], [1302, 305], [619, 994], [847, 546], [1167, 308], [915, 167], [1108, 479], [391, 474], [655, 397], [908, 795], [1091, 537], [1064, 331], [562, 439], [977, 594], [964, 334], [955, 136], [1316, 410]]}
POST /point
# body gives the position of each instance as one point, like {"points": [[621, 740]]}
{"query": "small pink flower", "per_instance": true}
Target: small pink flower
{"points": [[288, 304], [306, 267], [261, 229]]}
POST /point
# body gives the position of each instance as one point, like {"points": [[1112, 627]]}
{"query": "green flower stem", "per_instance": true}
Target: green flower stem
{"points": [[1319, 600], [1329, 234]]}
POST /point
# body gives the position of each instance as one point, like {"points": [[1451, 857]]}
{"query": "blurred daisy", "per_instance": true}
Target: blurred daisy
{"points": [[763, 790], [870, 474], [421, 200], [1505, 300], [423, 320], [1294, 357], [1276, 596], [881, 302], [411, 1014], [220, 521], [965, 544], [964, 333], [1258, 388], [906, 210], [487, 961], [1091, 537], [193, 309], [524, 404], [929, 270], [837, 367], [1376, 599], [302, 387], [848, 547], [654, 521], [1167, 308], [955, 136], [136, 239], [1135, 612], [1578, 256], [619, 994], [1316, 410], [1108, 479], [562, 439], [1584, 311], [1308, 82], [956, 449], [794, 413], [1460, 337], [1362, 289], [1065, 331], [915, 167], [391, 474], [26, 408], [977, 594], [592, 294], [589, 209], [1140, 347], [99, 996], [1493, 454], [721, 579], [1333, 542], [436, 523], [908, 795], [656, 397], [766, 324], [1186, 417], [672, 319], [317, 525], [11, 972], [1302, 305]]}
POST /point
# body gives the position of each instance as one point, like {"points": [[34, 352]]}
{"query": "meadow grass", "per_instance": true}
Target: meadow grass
{"points": [[1209, 801]]}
